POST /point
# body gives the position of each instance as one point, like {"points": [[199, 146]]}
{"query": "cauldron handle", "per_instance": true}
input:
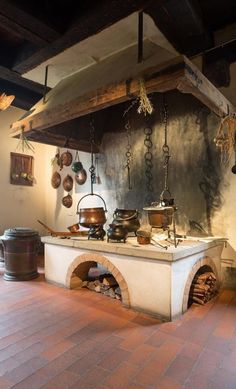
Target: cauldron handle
{"points": [[126, 218], [90, 194]]}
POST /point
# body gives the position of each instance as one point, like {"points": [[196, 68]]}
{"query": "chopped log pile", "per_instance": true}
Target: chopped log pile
{"points": [[105, 284], [203, 288]]}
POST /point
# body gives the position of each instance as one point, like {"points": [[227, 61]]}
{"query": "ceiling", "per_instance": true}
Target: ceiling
{"points": [[73, 35]]}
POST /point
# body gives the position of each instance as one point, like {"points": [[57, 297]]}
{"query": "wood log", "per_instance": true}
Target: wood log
{"points": [[197, 300]]}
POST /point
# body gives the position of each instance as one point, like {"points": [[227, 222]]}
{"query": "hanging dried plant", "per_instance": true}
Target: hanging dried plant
{"points": [[24, 145], [5, 101], [225, 138], [145, 105]]}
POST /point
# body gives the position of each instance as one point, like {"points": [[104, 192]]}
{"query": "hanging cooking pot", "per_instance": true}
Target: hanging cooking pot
{"points": [[68, 183], [128, 218], [76, 165], [67, 201], [81, 177], [91, 216], [56, 180], [66, 158], [159, 215]]}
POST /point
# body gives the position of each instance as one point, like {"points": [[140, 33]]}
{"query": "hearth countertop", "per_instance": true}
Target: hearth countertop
{"points": [[185, 248]]}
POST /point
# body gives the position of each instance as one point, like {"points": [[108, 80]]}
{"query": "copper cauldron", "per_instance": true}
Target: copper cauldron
{"points": [[91, 216], [160, 216], [128, 218]]}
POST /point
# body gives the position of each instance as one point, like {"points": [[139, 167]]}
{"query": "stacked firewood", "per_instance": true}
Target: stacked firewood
{"points": [[105, 284], [203, 288]]}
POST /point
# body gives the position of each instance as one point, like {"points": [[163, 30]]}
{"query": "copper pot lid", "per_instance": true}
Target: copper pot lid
{"points": [[67, 201], [56, 180], [68, 183]]}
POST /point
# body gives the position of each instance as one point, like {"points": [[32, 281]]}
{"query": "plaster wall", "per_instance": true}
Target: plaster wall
{"points": [[20, 206]]}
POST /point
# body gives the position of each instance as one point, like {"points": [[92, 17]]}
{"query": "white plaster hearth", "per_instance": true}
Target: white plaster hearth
{"points": [[151, 279]]}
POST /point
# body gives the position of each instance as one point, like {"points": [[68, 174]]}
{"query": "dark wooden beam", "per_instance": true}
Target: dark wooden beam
{"points": [[182, 24], [101, 16], [16, 79], [27, 27], [24, 97]]}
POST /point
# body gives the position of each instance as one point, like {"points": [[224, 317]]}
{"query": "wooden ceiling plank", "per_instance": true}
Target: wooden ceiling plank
{"points": [[101, 17], [29, 27], [179, 74], [16, 78]]}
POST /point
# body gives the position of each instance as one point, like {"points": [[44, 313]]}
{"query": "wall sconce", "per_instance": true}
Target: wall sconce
{"points": [[5, 101]]}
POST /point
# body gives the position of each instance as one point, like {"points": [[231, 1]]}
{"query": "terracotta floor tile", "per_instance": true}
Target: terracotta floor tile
{"points": [[114, 359], [121, 377], [25, 369], [167, 383], [63, 380], [180, 368], [141, 354], [53, 337]]}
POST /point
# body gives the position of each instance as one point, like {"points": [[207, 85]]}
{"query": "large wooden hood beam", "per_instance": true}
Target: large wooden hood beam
{"points": [[178, 73]]}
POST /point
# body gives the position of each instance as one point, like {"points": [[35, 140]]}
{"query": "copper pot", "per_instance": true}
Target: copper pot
{"points": [[91, 216], [68, 183], [143, 237], [128, 218], [67, 201], [160, 216]]}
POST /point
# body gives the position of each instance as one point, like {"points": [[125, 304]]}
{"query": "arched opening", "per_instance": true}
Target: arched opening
{"points": [[202, 284], [97, 273]]}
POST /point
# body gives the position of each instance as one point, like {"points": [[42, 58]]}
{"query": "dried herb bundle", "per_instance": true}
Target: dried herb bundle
{"points": [[225, 138]]}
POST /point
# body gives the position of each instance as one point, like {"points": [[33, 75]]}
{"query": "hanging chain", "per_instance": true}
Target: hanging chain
{"points": [[92, 142], [165, 150], [148, 157], [128, 153]]}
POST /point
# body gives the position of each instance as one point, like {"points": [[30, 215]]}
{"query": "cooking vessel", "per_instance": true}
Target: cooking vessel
{"points": [[66, 158], [143, 237], [128, 218], [56, 180], [74, 227], [81, 177], [68, 183], [67, 201], [117, 232], [159, 216], [91, 216]]}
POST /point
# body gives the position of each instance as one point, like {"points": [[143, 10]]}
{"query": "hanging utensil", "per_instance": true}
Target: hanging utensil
{"points": [[233, 170], [76, 165], [98, 179], [68, 183], [56, 180]]}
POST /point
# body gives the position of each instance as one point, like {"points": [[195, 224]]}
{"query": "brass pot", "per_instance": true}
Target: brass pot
{"points": [[127, 218]]}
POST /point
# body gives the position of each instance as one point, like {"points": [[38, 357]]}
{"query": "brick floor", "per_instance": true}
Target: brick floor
{"points": [[51, 337]]}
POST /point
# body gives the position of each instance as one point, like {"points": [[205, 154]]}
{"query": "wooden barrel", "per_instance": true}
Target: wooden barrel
{"points": [[20, 254]]}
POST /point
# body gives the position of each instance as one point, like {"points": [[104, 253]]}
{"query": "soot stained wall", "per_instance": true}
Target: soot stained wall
{"points": [[195, 171]]}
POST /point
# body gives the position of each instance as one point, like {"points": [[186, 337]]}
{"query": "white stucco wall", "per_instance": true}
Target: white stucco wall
{"points": [[20, 206]]}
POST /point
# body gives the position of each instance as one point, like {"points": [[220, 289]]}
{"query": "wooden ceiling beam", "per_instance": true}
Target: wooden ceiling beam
{"points": [[103, 15], [178, 74], [23, 25], [16, 79], [181, 23]]}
